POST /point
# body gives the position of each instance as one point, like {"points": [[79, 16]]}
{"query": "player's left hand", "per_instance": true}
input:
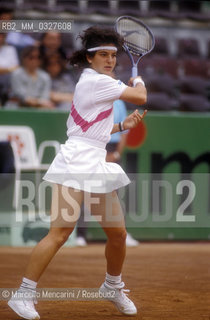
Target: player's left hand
{"points": [[133, 119]]}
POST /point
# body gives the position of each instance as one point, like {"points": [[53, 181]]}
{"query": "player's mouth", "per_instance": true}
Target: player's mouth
{"points": [[108, 68]]}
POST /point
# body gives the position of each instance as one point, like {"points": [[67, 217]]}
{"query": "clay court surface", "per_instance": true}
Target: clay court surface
{"points": [[168, 281]]}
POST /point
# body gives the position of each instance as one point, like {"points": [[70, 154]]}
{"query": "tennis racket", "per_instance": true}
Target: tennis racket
{"points": [[138, 39]]}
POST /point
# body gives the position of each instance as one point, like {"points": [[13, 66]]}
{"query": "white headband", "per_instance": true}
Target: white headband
{"points": [[102, 48]]}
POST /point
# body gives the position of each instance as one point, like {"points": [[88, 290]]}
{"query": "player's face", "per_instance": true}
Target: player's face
{"points": [[103, 61]]}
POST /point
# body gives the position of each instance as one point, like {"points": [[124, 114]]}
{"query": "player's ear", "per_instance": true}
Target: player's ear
{"points": [[88, 58]]}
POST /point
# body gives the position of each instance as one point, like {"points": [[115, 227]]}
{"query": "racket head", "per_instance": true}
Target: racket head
{"points": [[138, 38]]}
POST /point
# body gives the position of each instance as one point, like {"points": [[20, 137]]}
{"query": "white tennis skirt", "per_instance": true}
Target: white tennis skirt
{"points": [[81, 164]]}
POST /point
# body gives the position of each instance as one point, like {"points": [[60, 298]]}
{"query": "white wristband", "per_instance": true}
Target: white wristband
{"points": [[138, 80]]}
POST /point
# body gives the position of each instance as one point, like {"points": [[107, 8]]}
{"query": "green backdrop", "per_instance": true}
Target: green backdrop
{"points": [[175, 147]]}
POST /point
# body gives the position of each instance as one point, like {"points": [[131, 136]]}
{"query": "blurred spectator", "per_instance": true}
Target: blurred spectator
{"points": [[62, 83], [50, 45], [8, 63], [30, 86], [8, 56], [16, 39]]}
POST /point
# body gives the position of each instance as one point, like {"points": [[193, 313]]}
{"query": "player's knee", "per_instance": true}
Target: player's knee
{"points": [[119, 238], [59, 238], [63, 238]]}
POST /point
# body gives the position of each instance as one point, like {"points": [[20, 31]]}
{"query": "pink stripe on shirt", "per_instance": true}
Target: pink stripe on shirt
{"points": [[85, 125]]}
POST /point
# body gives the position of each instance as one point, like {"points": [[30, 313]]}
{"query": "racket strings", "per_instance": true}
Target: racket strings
{"points": [[137, 37], [136, 49]]}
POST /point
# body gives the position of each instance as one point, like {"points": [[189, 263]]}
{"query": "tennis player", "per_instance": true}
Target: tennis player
{"points": [[80, 172]]}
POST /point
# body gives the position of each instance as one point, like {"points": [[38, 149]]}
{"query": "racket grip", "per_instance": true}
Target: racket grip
{"points": [[134, 72]]}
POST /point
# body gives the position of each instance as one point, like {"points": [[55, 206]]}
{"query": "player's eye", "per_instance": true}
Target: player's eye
{"points": [[103, 54]]}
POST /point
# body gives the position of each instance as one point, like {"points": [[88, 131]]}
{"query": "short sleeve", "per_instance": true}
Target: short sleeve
{"points": [[107, 89], [13, 57]]}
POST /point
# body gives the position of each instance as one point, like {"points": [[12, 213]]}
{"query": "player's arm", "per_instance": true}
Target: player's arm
{"points": [[136, 93], [130, 121]]}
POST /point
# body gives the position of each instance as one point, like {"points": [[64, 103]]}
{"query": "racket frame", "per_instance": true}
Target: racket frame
{"points": [[126, 48]]}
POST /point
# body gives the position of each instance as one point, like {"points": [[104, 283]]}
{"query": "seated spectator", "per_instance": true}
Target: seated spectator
{"points": [[30, 86], [50, 44], [62, 83], [17, 39], [8, 56], [8, 63]]}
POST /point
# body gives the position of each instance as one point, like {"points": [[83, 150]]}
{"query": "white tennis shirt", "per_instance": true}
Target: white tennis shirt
{"points": [[91, 114]]}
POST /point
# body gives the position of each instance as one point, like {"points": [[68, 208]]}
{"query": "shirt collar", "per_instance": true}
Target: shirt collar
{"points": [[90, 71]]}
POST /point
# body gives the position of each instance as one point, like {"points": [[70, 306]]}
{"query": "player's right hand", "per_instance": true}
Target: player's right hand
{"points": [[130, 81]]}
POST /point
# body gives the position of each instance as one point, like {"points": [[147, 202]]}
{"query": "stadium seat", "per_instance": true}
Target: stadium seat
{"points": [[160, 101], [193, 102], [194, 85], [131, 7], [145, 67], [34, 5], [161, 9], [162, 83], [189, 6], [161, 63], [159, 5], [8, 4], [161, 46], [160, 60], [102, 7], [69, 6], [195, 67], [187, 48], [191, 10], [205, 11]]}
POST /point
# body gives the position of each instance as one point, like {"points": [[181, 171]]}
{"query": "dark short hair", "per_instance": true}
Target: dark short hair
{"points": [[94, 37], [27, 51]]}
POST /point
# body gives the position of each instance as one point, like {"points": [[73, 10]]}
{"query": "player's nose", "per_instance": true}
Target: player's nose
{"points": [[110, 59]]}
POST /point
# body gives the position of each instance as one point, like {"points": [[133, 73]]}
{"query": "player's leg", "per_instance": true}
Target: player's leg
{"points": [[65, 211], [109, 214]]}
